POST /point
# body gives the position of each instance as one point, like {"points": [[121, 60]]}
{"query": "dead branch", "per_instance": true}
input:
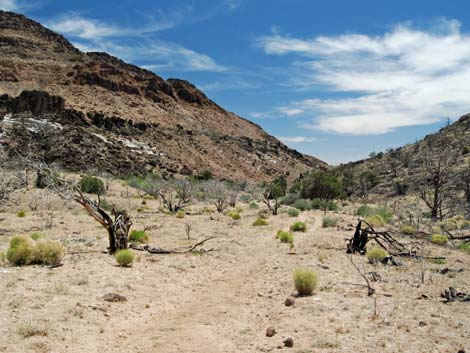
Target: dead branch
{"points": [[370, 289], [156, 250]]}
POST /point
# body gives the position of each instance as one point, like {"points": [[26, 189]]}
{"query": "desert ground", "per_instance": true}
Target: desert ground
{"points": [[224, 299]]}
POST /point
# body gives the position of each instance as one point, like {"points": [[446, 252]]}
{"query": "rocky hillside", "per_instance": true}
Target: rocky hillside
{"points": [[94, 111], [399, 171]]}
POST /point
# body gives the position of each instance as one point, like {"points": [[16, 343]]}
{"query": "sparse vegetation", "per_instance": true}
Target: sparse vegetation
{"points": [[139, 236], [375, 255], [253, 205], [92, 185], [293, 212], [234, 215], [375, 221], [329, 221], [298, 227], [21, 214], [464, 247], [24, 250], [305, 281], [260, 222], [439, 239], [21, 251], [285, 237], [408, 229], [48, 252], [180, 214], [303, 204], [124, 257]]}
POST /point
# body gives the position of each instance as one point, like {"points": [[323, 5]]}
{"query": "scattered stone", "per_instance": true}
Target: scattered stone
{"points": [[147, 306], [422, 323], [270, 331], [290, 301], [289, 342], [114, 297]]}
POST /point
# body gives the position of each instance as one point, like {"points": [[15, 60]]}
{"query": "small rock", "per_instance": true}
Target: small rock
{"points": [[270, 331], [114, 297], [289, 301], [289, 342], [421, 324]]}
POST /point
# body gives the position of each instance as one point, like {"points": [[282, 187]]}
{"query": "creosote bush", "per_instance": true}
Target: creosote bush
{"points": [[124, 258], [180, 214], [260, 222], [285, 237], [376, 255], [293, 212], [408, 229], [91, 185], [329, 221], [305, 281], [234, 215], [375, 221], [439, 239], [48, 252], [25, 250], [253, 205], [21, 214], [298, 227], [138, 236]]}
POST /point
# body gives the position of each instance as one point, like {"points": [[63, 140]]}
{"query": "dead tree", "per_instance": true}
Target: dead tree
{"points": [[217, 192], [117, 224], [433, 187]]}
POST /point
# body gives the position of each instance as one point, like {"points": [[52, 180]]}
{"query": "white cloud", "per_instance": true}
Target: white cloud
{"points": [[297, 139], [9, 5], [404, 77], [132, 44]]}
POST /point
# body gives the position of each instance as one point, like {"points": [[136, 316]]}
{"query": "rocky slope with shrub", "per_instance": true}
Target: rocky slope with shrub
{"points": [[94, 111]]}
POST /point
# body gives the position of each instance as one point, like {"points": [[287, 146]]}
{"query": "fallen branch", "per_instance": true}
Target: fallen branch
{"points": [[156, 250]]}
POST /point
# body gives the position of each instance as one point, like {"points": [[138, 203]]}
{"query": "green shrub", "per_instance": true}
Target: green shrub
{"points": [[21, 251], [245, 198], [234, 215], [289, 199], [21, 214], [180, 214], [464, 247], [124, 258], [260, 222], [91, 185], [285, 237], [298, 227], [375, 255], [305, 281], [330, 222], [439, 239], [385, 213], [253, 205], [408, 229], [36, 236], [364, 211], [139, 236], [302, 204], [375, 221], [48, 252], [293, 212]]}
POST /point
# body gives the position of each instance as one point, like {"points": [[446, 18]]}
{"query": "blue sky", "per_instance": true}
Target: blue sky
{"points": [[334, 79]]}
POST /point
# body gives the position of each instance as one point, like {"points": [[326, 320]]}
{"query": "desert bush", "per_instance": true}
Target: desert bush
{"points": [[180, 214], [264, 213], [245, 198], [298, 227], [302, 204], [48, 252], [408, 229], [91, 185], [253, 205], [285, 237], [439, 239], [21, 251], [375, 221], [289, 199], [293, 212], [139, 236], [317, 204], [305, 281], [124, 257], [260, 222], [375, 255], [464, 247], [234, 215], [364, 211], [328, 222], [21, 214], [36, 236]]}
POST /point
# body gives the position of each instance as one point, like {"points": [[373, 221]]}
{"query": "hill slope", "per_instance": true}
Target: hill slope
{"points": [[400, 170], [98, 106]]}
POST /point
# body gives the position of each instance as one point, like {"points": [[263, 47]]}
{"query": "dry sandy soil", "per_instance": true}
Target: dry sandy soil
{"points": [[223, 300]]}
